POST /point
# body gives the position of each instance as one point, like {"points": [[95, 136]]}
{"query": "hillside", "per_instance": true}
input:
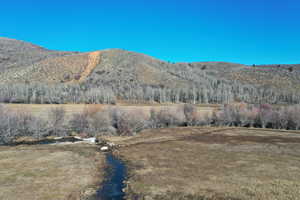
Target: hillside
{"points": [[19, 54], [140, 77]]}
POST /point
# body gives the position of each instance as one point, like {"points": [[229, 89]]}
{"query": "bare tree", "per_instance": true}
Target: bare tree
{"points": [[168, 117], [79, 123], [190, 112], [56, 119], [265, 114], [129, 123], [296, 116], [100, 122]]}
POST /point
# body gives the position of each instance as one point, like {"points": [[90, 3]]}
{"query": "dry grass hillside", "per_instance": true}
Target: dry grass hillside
{"points": [[129, 67], [278, 76], [68, 68], [19, 54], [124, 70]]}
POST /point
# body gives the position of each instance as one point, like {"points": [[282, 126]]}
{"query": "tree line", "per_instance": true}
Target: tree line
{"points": [[118, 121], [41, 93], [260, 116], [216, 92]]}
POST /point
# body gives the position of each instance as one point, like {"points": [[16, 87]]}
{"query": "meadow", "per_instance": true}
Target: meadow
{"points": [[212, 164]]}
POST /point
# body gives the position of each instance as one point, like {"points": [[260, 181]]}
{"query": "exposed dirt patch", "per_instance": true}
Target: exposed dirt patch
{"points": [[94, 60]]}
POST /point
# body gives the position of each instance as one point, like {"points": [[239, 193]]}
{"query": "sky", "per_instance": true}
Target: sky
{"points": [[240, 31]]}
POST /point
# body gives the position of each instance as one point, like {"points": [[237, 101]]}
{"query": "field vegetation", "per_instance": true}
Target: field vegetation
{"points": [[50, 172], [173, 152], [212, 163]]}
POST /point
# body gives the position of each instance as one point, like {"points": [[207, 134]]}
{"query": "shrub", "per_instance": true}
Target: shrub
{"points": [[168, 117], [231, 115], [100, 122], [16, 125], [265, 115], [79, 123], [129, 123], [191, 114], [295, 115], [56, 118]]}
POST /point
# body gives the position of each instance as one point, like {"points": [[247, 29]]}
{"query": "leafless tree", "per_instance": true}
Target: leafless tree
{"points": [[56, 120], [79, 123], [129, 123], [296, 116], [265, 114], [100, 122], [190, 112]]}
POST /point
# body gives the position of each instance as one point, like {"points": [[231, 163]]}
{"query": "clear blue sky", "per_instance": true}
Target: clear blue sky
{"points": [[243, 31]]}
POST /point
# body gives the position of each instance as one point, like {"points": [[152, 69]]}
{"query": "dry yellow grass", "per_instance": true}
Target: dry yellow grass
{"points": [[49, 172], [56, 70], [212, 163], [41, 110]]}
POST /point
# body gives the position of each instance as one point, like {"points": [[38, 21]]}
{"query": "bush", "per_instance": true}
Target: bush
{"points": [[168, 117], [191, 114], [264, 116], [295, 115], [16, 125], [129, 123], [79, 123], [100, 122], [113, 121], [56, 119]]}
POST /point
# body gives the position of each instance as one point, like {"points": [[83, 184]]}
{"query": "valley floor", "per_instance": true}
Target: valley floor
{"points": [[212, 163], [43, 172]]}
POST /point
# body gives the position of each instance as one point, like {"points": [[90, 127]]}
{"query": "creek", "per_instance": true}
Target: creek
{"points": [[112, 187]]}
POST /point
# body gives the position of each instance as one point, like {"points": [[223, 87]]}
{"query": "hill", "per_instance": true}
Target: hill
{"points": [[19, 54], [135, 76]]}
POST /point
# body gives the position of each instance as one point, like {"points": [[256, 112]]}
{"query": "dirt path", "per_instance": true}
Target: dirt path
{"points": [[94, 60]]}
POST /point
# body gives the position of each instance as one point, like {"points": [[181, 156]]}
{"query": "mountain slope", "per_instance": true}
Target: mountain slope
{"points": [[137, 76], [16, 54]]}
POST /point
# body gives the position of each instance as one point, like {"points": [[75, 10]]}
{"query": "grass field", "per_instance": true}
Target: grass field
{"points": [[40, 110], [187, 163], [51, 172], [212, 163]]}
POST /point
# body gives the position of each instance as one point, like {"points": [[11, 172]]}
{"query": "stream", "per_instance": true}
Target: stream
{"points": [[112, 187]]}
